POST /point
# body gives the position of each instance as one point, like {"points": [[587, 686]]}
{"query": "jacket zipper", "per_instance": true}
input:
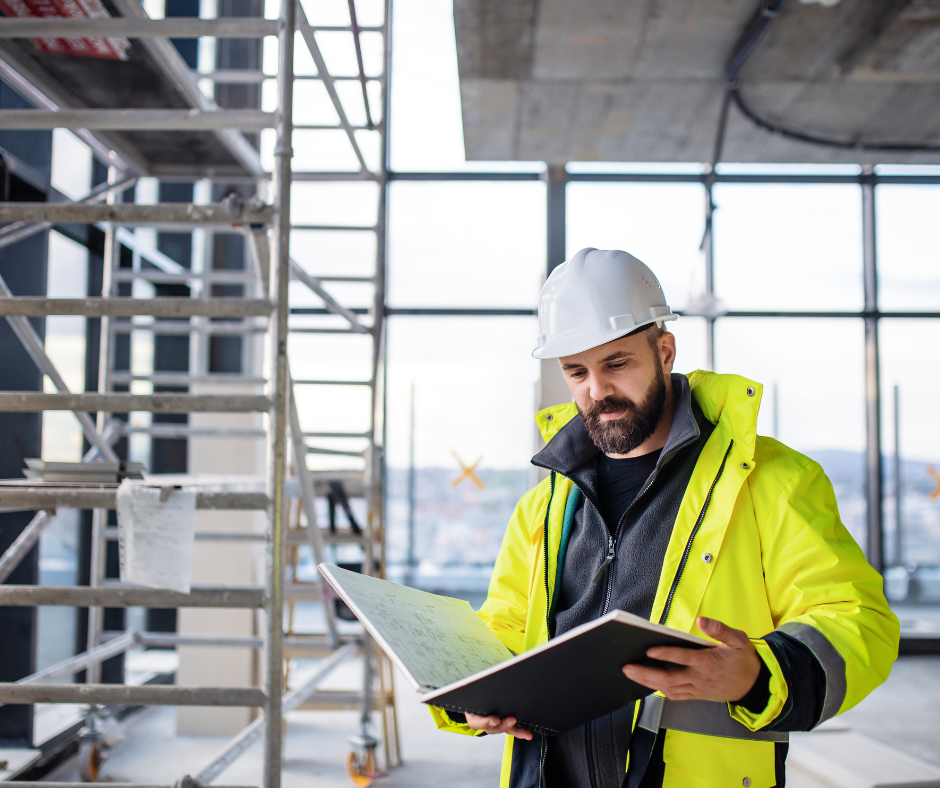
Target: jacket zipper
{"points": [[589, 751], [612, 545], [544, 750], [548, 609], [688, 546]]}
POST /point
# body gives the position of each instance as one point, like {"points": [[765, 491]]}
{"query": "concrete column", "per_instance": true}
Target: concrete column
{"points": [[223, 563]]}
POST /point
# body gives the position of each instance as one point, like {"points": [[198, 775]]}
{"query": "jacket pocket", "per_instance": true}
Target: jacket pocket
{"points": [[704, 761]]}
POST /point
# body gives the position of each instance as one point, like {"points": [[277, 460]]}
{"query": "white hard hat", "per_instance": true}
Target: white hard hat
{"points": [[596, 297]]}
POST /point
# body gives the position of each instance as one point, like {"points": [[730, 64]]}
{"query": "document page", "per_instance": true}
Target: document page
{"points": [[155, 538], [435, 639]]}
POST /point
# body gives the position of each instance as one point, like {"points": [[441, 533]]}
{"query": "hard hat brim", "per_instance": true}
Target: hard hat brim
{"points": [[572, 345]]}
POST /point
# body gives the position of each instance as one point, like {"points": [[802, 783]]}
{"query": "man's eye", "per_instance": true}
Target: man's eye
{"points": [[618, 365]]}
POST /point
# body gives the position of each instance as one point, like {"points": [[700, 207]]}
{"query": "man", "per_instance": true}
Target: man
{"points": [[663, 501]]}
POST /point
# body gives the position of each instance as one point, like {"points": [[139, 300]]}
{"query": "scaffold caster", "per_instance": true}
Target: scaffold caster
{"points": [[360, 763], [90, 747], [90, 758]]}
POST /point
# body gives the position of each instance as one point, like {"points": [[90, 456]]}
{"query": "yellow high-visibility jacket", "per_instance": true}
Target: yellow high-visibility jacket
{"points": [[781, 559]]}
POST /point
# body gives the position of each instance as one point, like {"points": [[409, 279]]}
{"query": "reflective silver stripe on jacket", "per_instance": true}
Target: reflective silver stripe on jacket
{"points": [[831, 660], [707, 717]]}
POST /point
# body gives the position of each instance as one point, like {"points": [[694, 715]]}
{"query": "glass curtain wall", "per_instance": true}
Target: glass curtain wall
{"points": [[787, 307]]}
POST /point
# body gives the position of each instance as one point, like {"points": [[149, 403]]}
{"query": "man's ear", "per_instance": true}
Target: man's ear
{"points": [[667, 351]]}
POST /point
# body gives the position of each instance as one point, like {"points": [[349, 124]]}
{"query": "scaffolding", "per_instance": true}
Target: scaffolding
{"points": [[123, 139]]}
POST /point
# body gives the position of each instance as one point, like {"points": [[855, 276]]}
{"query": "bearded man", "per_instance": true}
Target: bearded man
{"points": [[661, 500]]}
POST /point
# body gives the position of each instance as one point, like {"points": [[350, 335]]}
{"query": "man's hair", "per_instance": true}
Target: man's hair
{"points": [[652, 330]]}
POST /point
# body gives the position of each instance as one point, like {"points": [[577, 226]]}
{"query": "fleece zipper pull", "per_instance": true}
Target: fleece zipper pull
{"points": [[611, 554]]}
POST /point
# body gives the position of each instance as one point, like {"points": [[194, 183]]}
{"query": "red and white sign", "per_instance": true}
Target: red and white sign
{"points": [[108, 48]]}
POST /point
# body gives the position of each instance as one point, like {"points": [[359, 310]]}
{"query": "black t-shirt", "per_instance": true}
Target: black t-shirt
{"points": [[619, 481]]}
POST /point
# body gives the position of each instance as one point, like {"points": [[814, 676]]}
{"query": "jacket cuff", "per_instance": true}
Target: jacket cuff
{"points": [[777, 701], [443, 722]]}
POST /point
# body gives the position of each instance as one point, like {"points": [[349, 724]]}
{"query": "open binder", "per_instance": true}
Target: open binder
{"points": [[449, 655]]}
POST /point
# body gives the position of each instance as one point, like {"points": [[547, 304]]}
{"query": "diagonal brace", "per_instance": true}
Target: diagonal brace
{"points": [[328, 82], [27, 335], [332, 304]]}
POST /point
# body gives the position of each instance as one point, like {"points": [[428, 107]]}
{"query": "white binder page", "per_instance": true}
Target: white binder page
{"points": [[435, 640]]}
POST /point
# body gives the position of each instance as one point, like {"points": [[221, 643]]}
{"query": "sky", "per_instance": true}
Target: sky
{"points": [[483, 245]]}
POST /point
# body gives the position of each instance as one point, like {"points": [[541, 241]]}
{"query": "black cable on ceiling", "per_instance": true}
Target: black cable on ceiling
{"points": [[745, 47]]}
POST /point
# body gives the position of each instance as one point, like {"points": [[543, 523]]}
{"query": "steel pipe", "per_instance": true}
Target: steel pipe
{"points": [[34, 402], [179, 27], [133, 214], [111, 596], [171, 329], [81, 661], [23, 543], [137, 119], [45, 784], [24, 496], [18, 231], [39, 306], [123, 695], [332, 305], [165, 277], [183, 431], [35, 348], [163, 640]]}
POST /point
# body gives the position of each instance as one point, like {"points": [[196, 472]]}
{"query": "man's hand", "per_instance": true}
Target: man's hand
{"points": [[495, 725], [725, 672]]}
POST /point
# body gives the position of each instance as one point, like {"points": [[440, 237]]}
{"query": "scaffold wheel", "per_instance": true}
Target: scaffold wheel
{"points": [[360, 767], [90, 759]]}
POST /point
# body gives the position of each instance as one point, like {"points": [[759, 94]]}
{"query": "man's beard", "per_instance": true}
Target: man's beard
{"points": [[623, 435]]}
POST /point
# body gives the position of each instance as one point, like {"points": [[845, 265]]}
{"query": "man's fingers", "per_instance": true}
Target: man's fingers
{"points": [[654, 678], [520, 733], [679, 656], [505, 725], [721, 631]]}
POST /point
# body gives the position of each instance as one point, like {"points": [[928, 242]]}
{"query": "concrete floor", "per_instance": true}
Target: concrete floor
{"points": [[904, 713], [316, 749]]}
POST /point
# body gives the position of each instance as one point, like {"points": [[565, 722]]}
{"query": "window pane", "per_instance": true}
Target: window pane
{"points": [[466, 244], [661, 224], [474, 386], [908, 247], [910, 356], [788, 247], [813, 401]]}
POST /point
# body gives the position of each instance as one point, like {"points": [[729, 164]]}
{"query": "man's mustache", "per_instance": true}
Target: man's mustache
{"points": [[611, 405]]}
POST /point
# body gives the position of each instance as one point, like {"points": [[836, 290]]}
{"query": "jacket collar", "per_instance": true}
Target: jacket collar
{"points": [[571, 448], [729, 400]]}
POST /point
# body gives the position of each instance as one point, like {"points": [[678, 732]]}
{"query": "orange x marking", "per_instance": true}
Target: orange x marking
{"points": [[936, 477], [469, 472]]}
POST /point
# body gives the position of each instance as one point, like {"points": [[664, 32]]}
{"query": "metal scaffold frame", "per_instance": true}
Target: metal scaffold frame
{"points": [[267, 230]]}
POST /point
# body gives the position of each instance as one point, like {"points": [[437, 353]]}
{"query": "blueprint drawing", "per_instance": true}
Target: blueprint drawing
{"points": [[436, 639]]}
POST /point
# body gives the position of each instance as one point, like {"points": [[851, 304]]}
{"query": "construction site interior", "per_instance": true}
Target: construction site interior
{"points": [[280, 260]]}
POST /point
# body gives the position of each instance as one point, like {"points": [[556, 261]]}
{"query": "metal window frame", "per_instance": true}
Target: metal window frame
{"points": [[867, 180]]}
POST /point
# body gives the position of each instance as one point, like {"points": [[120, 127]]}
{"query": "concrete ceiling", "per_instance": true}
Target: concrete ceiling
{"points": [[643, 80]]}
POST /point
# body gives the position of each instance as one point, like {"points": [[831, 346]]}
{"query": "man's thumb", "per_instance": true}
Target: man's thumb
{"points": [[720, 631]]}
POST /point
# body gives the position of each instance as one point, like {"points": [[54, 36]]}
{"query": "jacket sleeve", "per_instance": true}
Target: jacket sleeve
{"points": [[826, 601], [507, 601]]}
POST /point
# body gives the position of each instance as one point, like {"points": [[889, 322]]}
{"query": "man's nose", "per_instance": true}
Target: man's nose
{"points": [[599, 387]]}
